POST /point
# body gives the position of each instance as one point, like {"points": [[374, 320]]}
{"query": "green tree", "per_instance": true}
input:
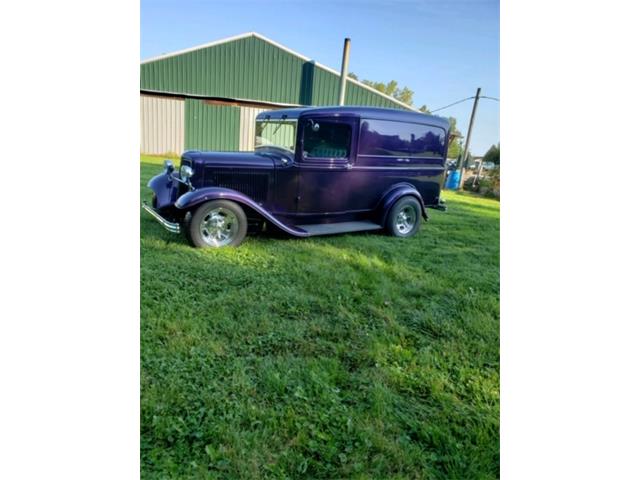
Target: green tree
{"points": [[455, 148], [391, 88], [404, 94], [386, 88], [493, 154]]}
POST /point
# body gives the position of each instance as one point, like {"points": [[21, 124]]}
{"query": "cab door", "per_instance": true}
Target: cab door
{"points": [[325, 165]]}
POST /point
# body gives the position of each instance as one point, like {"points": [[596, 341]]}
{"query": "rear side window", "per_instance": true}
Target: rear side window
{"points": [[328, 140], [397, 139]]}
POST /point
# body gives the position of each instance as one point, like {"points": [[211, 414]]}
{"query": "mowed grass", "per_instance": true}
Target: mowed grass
{"points": [[352, 356]]}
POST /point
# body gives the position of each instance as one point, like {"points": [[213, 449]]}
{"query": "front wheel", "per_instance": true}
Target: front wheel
{"points": [[219, 223], [404, 218]]}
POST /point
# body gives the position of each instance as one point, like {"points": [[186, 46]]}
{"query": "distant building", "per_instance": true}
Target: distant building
{"points": [[207, 97]]}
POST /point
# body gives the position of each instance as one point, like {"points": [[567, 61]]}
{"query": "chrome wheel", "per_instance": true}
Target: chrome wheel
{"points": [[219, 227], [406, 220]]}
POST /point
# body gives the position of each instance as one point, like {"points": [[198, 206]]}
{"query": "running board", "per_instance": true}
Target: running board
{"points": [[343, 227]]}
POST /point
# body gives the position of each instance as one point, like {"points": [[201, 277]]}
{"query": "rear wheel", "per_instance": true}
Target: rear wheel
{"points": [[219, 223], [404, 218]]}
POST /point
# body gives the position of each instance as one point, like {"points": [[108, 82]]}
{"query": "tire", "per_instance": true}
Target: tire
{"points": [[404, 217], [215, 224]]}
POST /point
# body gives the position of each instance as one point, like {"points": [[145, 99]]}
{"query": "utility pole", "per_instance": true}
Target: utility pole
{"points": [[345, 70], [466, 142]]}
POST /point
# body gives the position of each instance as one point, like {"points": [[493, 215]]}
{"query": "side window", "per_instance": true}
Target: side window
{"points": [[395, 139], [326, 139], [428, 142]]}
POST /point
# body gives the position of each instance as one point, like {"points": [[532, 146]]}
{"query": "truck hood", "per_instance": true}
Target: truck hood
{"points": [[230, 159]]}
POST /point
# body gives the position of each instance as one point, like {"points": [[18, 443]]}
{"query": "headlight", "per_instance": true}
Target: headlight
{"points": [[186, 172]]}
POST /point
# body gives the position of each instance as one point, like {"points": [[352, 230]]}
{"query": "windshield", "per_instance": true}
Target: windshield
{"points": [[276, 133]]}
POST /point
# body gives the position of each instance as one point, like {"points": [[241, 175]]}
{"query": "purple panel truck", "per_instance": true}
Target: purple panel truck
{"points": [[315, 171]]}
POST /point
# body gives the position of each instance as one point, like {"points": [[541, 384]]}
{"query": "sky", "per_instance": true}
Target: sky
{"points": [[443, 50]]}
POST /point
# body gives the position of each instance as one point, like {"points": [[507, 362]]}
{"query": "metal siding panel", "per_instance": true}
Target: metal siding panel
{"points": [[240, 55], [197, 77], [257, 88], [281, 81], [211, 127], [222, 85], [270, 84], [229, 70], [161, 125], [282, 63], [247, 127], [244, 70]]}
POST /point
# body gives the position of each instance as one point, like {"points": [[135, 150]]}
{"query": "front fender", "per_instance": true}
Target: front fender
{"points": [[393, 195], [165, 187], [194, 198]]}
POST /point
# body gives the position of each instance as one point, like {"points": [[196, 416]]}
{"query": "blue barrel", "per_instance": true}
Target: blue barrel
{"points": [[453, 180]]}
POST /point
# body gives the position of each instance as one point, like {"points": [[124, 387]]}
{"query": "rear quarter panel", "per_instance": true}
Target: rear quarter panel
{"points": [[386, 156]]}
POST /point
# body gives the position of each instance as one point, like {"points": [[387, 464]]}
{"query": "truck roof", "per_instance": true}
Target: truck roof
{"points": [[362, 112]]}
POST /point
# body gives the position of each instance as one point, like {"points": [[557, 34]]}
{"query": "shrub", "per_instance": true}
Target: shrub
{"points": [[487, 186]]}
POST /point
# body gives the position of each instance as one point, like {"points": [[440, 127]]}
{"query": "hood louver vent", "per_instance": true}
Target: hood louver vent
{"points": [[253, 183]]}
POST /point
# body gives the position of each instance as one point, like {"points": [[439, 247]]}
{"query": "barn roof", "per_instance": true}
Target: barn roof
{"points": [[253, 67]]}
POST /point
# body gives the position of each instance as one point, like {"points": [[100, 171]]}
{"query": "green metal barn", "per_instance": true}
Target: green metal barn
{"points": [[207, 97]]}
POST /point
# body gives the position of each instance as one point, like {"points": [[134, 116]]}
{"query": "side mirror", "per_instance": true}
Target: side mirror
{"points": [[314, 126]]}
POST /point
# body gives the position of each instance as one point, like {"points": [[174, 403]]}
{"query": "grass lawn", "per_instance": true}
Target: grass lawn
{"points": [[352, 356]]}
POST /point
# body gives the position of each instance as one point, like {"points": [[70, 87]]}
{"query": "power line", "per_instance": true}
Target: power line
{"points": [[463, 100], [452, 104]]}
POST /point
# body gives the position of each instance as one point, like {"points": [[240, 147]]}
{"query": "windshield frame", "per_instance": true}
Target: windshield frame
{"points": [[275, 145]]}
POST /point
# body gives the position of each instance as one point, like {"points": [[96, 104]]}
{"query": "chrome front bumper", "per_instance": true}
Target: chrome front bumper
{"points": [[170, 226]]}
